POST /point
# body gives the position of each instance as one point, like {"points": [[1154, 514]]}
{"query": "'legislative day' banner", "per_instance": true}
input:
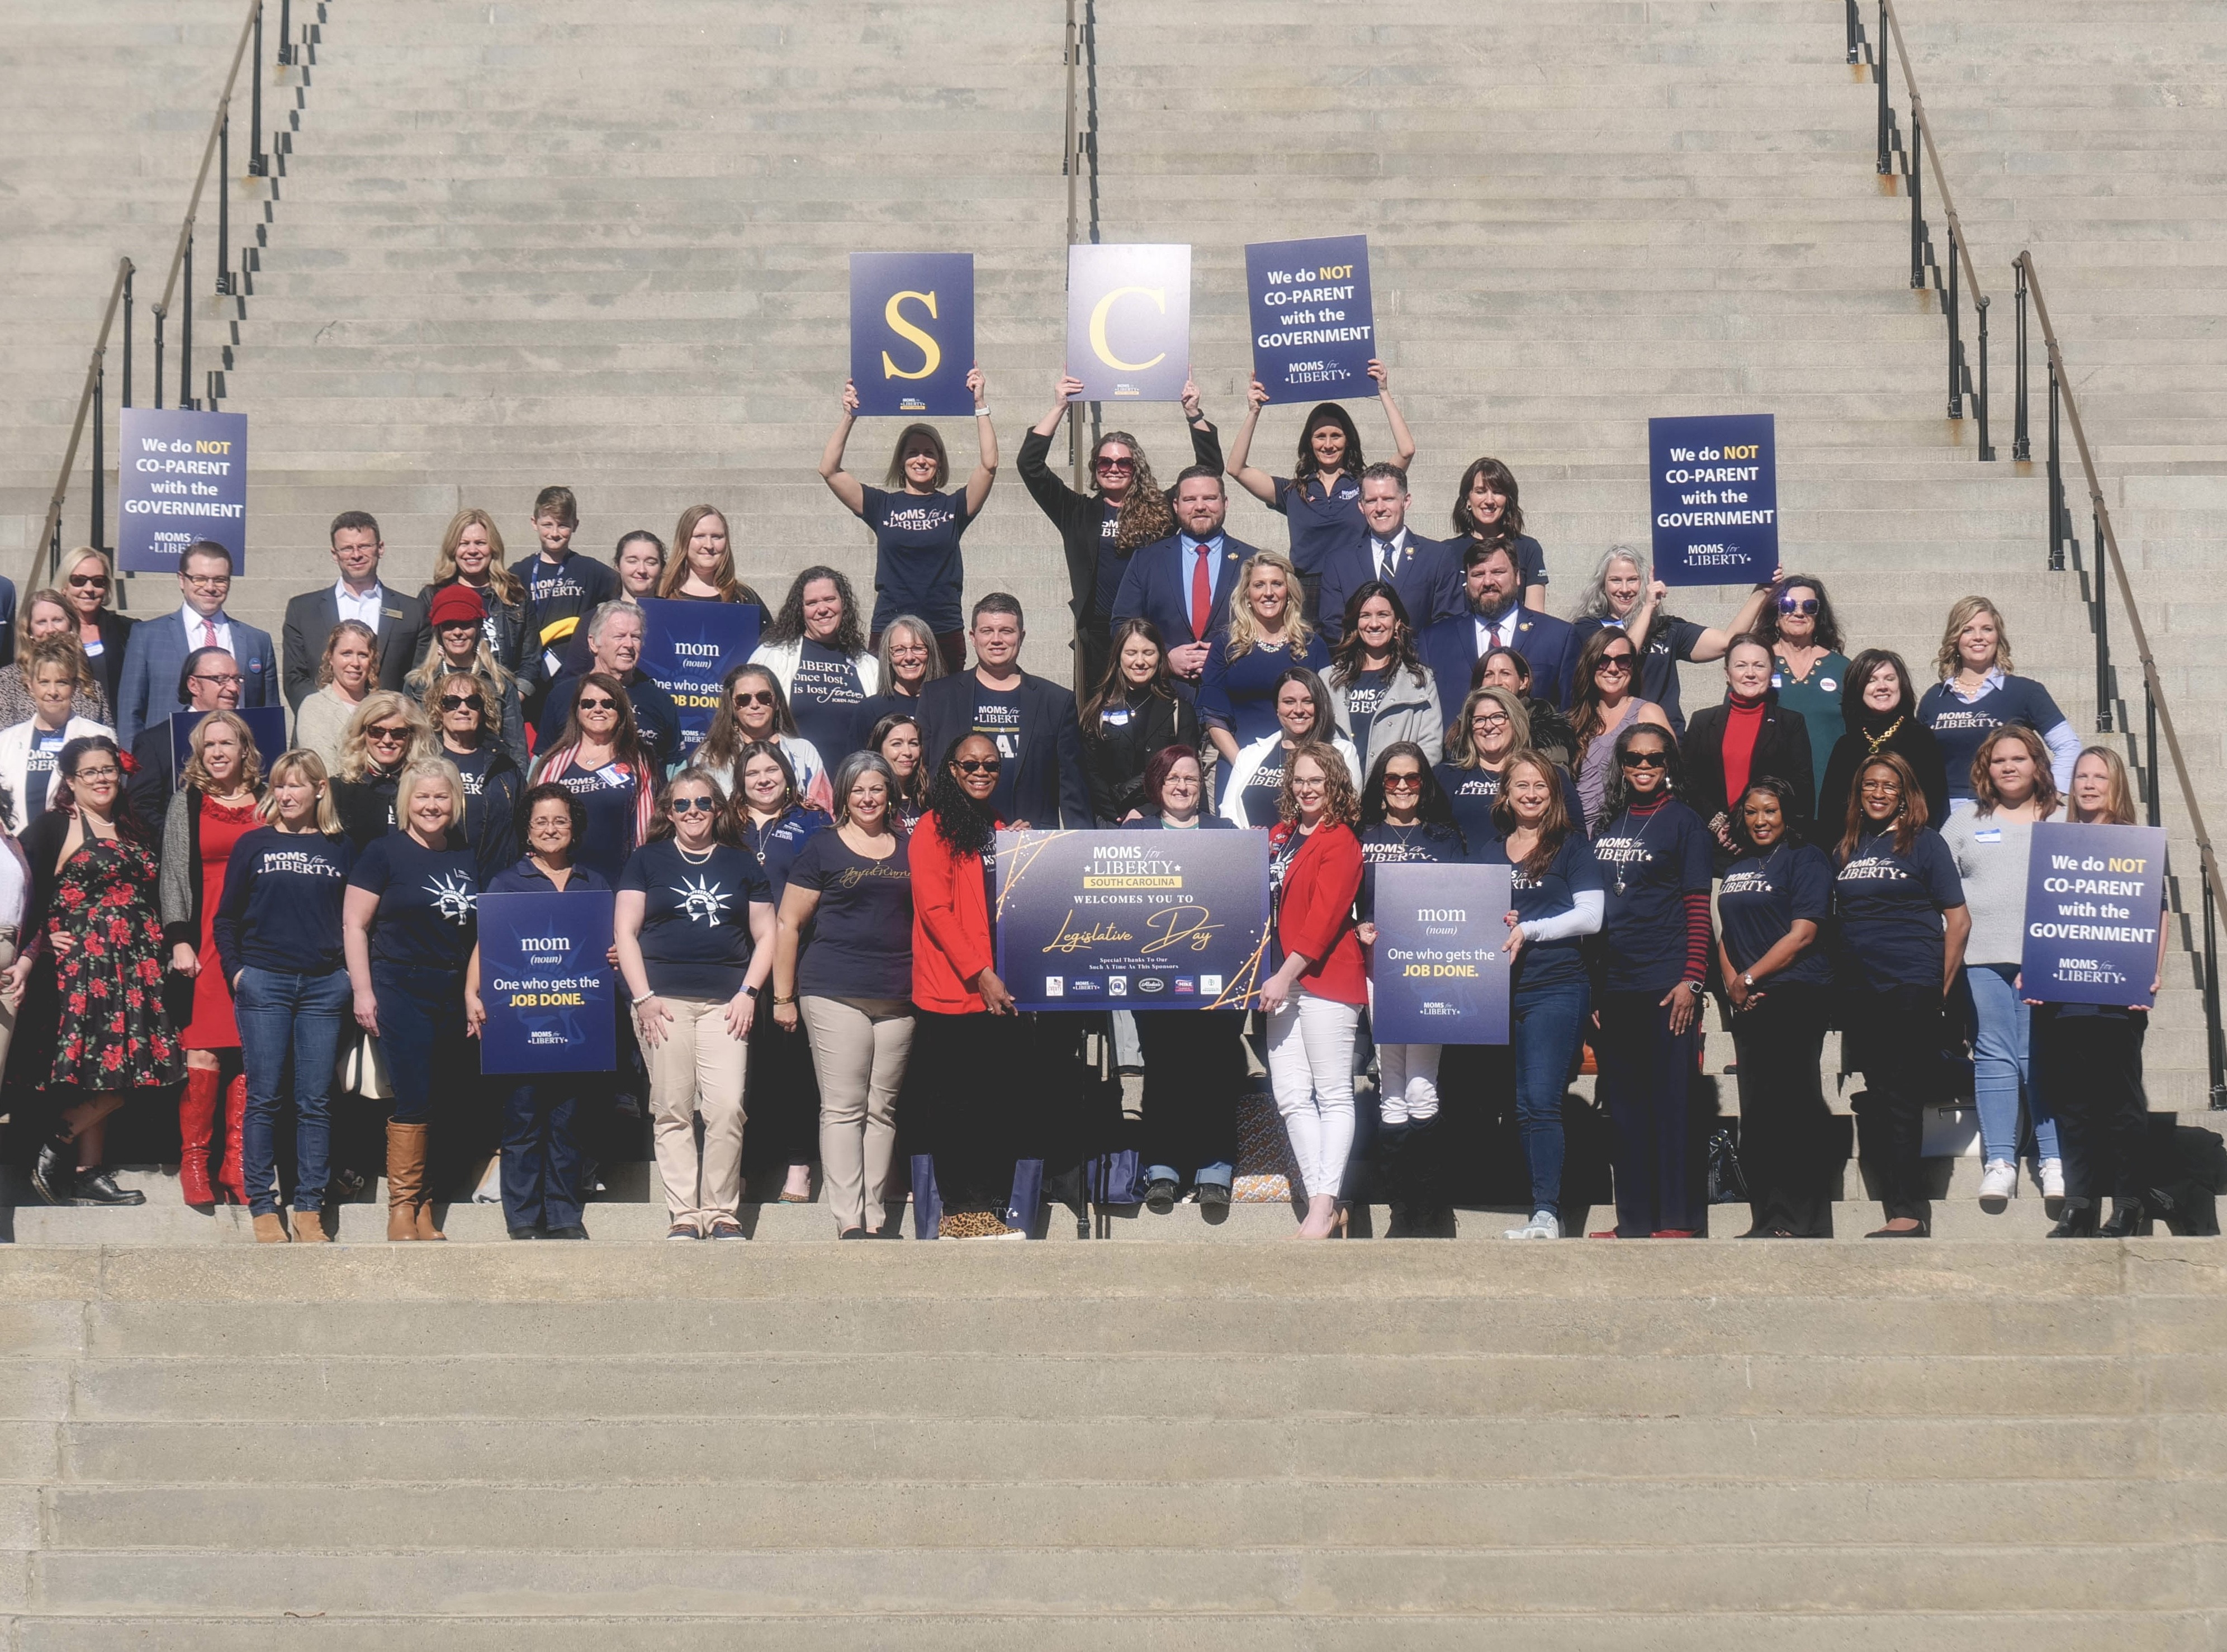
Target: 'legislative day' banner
{"points": [[2094, 900], [266, 724], [1716, 499], [1441, 971], [1131, 920], [181, 477], [687, 648], [912, 333], [1128, 322], [1313, 328], [545, 981]]}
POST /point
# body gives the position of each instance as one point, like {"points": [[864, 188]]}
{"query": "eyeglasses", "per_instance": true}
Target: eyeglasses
{"points": [[1488, 720], [1882, 788], [1805, 605], [106, 771], [1403, 782], [587, 705], [234, 678], [458, 702], [1646, 759], [203, 582], [1615, 662], [387, 735], [975, 765], [908, 651], [757, 697], [89, 582], [1117, 464], [691, 805]]}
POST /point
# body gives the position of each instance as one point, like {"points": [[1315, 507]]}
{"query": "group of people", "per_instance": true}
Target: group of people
{"points": [[803, 897]]}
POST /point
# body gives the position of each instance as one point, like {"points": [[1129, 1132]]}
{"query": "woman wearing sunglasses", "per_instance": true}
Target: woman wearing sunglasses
{"points": [[464, 711], [598, 758], [754, 710], [1655, 855], [85, 580], [1807, 669], [461, 646], [694, 926], [1606, 705], [386, 735], [1623, 598]]}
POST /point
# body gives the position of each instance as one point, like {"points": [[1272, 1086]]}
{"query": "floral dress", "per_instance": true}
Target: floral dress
{"points": [[113, 1034]]}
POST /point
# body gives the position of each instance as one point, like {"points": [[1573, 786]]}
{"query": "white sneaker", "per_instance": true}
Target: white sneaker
{"points": [[2052, 1178], [1999, 1181], [1544, 1224]]}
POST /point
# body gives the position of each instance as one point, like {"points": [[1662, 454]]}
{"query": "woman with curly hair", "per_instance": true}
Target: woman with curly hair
{"points": [[389, 732], [817, 651]]}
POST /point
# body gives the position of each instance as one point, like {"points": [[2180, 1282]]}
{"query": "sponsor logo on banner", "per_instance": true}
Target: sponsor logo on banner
{"points": [[1054, 987], [1186, 985], [1151, 984]]}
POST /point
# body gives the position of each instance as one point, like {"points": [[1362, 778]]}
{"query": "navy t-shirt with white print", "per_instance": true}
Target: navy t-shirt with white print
{"points": [[429, 900], [607, 795], [1761, 897], [1888, 908], [824, 696], [1650, 864], [1323, 522], [1960, 725], [917, 566], [39, 772], [998, 716], [1386, 844], [1362, 696], [695, 931], [1572, 872]]}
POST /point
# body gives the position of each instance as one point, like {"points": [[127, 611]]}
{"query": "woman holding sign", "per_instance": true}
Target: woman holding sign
{"points": [[817, 652], [541, 1153], [1554, 885], [1777, 979], [1990, 842], [1313, 1001], [917, 566], [2088, 1056], [1900, 907]]}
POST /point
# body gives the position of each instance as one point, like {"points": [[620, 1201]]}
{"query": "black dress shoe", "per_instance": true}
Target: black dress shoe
{"points": [[2129, 1221], [574, 1231], [97, 1186], [1214, 1195], [525, 1232], [853, 1232], [1160, 1196], [1919, 1232], [2079, 1222], [54, 1173]]}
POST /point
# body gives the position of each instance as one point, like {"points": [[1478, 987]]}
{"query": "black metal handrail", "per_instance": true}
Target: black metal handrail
{"points": [[89, 401], [1925, 270]]}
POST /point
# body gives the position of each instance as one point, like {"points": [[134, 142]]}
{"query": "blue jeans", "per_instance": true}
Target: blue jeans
{"points": [[285, 1018], [430, 1060], [1545, 1026], [2003, 1069]]}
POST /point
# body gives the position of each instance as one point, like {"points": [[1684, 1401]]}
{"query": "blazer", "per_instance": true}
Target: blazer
{"points": [[1450, 649], [157, 653], [1409, 710], [1247, 763], [1782, 750], [951, 941], [16, 763], [1427, 576], [147, 791], [115, 641], [1909, 740], [1314, 912], [1154, 588], [1052, 788], [1119, 756], [311, 617]]}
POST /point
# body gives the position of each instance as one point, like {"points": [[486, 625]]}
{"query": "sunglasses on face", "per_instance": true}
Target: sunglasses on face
{"points": [[599, 706], [691, 805], [759, 697], [1646, 759], [458, 702], [89, 582], [1804, 605], [1403, 782], [1615, 662], [975, 765], [386, 737]]}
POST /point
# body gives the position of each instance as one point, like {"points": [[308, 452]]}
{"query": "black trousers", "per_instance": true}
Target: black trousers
{"points": [[783, 1094], [2090, 1067], [1646, 1072], [1785, 1133], [984, 1092], [1194, 1069], [1896, 1034]]}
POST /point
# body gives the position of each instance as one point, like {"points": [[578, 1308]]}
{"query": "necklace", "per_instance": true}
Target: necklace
{"points": [[692, 857], [1878, 740], [1639, 843]]}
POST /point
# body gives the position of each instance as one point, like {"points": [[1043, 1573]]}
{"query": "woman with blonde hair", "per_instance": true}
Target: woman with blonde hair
{"points": [[1264, 636], [86, 579], [703, 565], [465, 713], [218, 803], [47, 613], [471, 556], [460, 646], [278, 932], [348, 672], [389, 732], [1978, 692]]}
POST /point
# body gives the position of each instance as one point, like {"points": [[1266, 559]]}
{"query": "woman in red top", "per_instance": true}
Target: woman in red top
{"points": [[1313, 1001], [965, 1089]]}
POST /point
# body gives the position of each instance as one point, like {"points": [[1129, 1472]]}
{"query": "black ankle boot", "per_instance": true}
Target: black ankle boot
{"points": [[2079, 1221], [98, 1187], [1396, 1166], [1426, 1209], [54, 1173], [2127, 1221]]}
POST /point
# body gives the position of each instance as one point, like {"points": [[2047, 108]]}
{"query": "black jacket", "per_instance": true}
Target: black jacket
{"points": [[1080, 517], [491, 815], [1118, 756], [1782, 750], [108, 669], [1912, 742], [366, 807], [1051, 787], [509, 626]]}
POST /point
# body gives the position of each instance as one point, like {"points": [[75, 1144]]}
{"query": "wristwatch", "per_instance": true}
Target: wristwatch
{"points": [[1695, 987], [1748, 981]]}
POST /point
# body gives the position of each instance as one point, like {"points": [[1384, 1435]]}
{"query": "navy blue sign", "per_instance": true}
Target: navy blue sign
{"points": [[180, 477], [1128, 322], [1716, 499], [266, 725], [912, 333], [1439, 967], [545, 981], [1131, 920], [2095, 902], [687, 648], [1314, 328]]}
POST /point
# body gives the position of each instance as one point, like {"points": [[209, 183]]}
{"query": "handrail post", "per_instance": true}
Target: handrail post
{"points": [[1955, 343], [1853, 26], [2215, 1056], [257, 164], [223, 206], [1986, 448], [100, 461], [2156, 773], [1917, 199], [128, 273], [286, 33], [158, 358], [1885, 112], [186, 332], [2022, 425], [2056, 480], [2102, 639]]}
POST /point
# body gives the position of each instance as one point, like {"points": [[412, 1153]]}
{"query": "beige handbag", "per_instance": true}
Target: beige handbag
{"points": [[363, 1070]]}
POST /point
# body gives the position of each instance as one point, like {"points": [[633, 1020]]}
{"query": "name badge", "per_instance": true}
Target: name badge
{"points": [[1993, 834]]}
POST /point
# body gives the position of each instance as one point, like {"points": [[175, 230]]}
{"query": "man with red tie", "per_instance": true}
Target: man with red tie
{"points": [[1181, 583], [147, 693]]}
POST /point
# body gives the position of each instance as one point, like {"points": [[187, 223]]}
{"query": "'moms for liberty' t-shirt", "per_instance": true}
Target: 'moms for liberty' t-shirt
{"points": [[1362, 696], [1889, 906], [1572, 872], [1650, 864], [1761, 897], [998, 715], [824, 696], [917, 566], [1959, 725]]}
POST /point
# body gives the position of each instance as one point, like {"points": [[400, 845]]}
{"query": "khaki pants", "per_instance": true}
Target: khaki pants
{"points": [[697, 1055], [859, 1047], [8, 1006]]}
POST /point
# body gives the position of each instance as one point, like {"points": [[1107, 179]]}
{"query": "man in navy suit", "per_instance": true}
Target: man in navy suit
{"points": [[1495, 617], [1426, 573], [147, 692], [1031, 721], [1182, 584]]}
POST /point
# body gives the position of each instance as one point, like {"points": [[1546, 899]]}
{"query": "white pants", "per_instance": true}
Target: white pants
{"points": [[1408, 1082], [1310, 1070]]}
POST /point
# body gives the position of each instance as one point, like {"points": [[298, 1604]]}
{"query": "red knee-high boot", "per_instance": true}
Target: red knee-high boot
{"points": [[197, 1123], [232, 1171]]}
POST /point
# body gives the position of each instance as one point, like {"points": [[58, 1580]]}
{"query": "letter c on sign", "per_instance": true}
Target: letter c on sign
{"points": [[931, 352], [1158, 294]]}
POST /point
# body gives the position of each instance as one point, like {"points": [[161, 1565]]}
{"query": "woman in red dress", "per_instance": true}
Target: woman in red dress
{"points": [[215, 807]]}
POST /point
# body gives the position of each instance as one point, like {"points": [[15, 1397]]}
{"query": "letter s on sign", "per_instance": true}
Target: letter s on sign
{"points": [[1105, 351], [931, 352]]}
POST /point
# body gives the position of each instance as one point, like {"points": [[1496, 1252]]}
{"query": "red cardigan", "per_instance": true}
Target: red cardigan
{"points": [[951, 941], [1316, 915]]}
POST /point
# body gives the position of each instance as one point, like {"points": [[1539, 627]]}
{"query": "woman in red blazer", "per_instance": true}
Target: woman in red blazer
{"points": [[1313, 1001]]}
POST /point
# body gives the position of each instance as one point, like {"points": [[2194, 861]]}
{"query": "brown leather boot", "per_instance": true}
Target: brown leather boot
{"points": [[196, 1124], [405, 1177], [309, 1229], [271, 1228]]}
